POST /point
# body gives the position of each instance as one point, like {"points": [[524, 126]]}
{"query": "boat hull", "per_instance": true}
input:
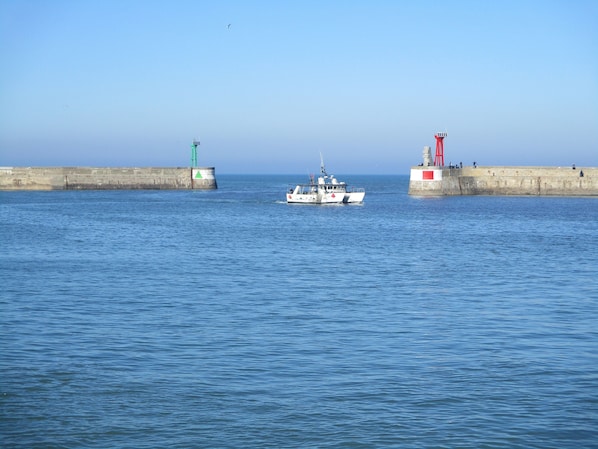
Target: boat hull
{"points": [[315, 198], [354, 197]]}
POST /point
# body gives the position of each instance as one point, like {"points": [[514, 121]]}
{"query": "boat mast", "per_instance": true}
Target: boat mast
{"points": [[322, 167]]}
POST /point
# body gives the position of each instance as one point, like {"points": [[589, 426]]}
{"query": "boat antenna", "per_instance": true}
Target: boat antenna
{"points": [[322, 166]]}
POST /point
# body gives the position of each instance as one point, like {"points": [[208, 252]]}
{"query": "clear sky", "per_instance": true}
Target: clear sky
{"points": [[367, 83]]}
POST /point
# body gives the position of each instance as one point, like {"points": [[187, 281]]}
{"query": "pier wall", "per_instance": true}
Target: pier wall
{"points": [[107, 178], [500, 180]]}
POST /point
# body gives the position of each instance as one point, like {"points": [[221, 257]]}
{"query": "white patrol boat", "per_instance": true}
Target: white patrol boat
{"points": [[328, 190]]}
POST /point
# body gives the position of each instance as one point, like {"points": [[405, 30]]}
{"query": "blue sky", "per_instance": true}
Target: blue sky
{"points": [[131, 83]]}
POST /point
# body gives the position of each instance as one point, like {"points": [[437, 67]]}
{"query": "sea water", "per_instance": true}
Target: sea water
{"points": [[230, 319]]}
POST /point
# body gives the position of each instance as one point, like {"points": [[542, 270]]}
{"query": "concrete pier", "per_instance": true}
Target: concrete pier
{"points": [[107, 178], [504, 180]]}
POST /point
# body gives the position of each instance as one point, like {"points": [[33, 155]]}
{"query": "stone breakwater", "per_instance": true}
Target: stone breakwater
{"points": [[499, 180], [108, 178]]}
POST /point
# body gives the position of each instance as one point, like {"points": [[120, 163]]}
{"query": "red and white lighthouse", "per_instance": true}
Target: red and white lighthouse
{"points": [[439, 158]]}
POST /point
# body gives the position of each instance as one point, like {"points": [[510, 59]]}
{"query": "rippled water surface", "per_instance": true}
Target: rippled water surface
{"points": [[229, 319]]}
